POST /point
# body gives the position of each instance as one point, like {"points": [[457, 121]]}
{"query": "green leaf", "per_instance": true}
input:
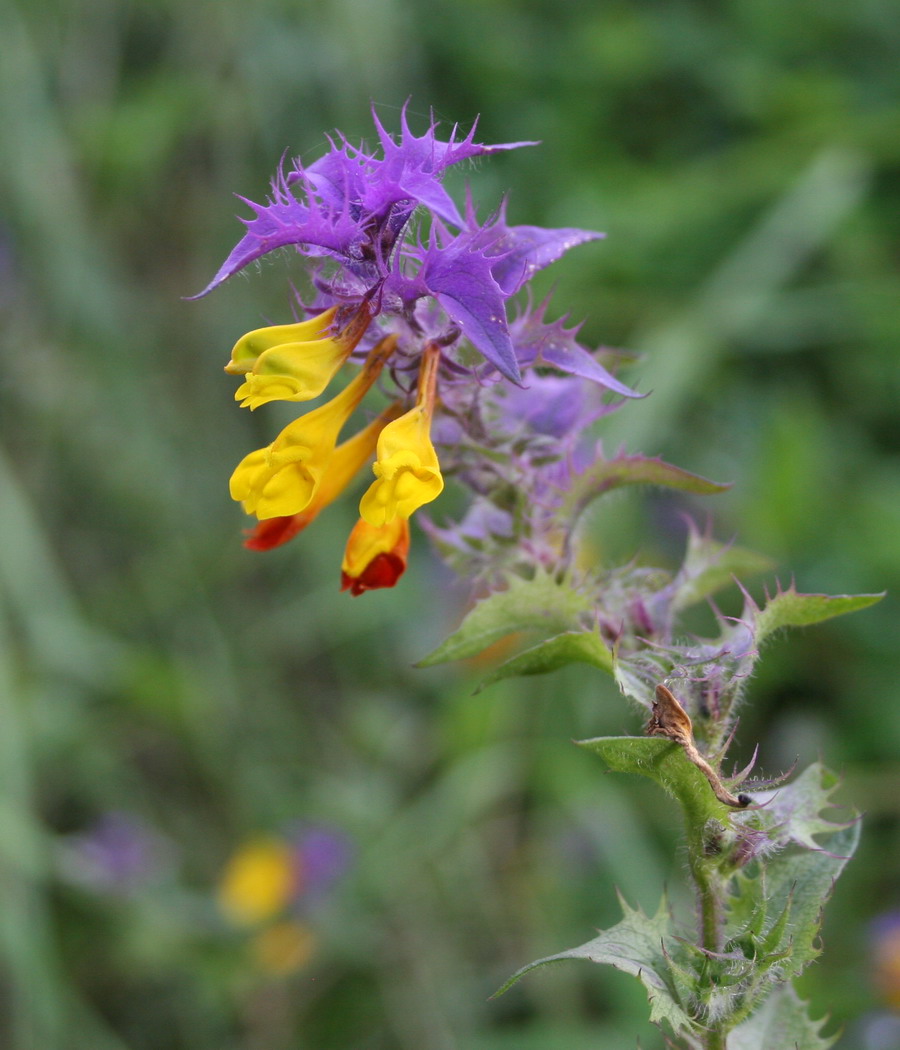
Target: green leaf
{"points": [[540, 604], [803, 881], [791, 609], [793, 813], [637, 674], [665, 762], [774, 908], [709, 565], [782, 1021], [775, 915], [571, 647], [636, 945], [608, 474]]}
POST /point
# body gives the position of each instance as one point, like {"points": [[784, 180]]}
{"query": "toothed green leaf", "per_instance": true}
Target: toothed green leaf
{"points": [[782, 1021], [608, 474], [774, 916], [637, 945], [540, 604], [665, 762], [793, 813], [791, 609], [571, 647], [801, 881]]}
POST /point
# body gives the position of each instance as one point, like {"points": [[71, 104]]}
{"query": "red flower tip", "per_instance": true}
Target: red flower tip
{"points": [[383, 571], [272, 532], [375, 556]]}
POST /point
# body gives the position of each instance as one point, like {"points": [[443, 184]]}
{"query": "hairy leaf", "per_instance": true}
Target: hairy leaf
{"points": [[637, 945], [782, 1021], [709, 565], [567, 648], [793, 813], [791, 609], [774, 916], [663, 761], [607, 474], [540, 604], [801, 882]]}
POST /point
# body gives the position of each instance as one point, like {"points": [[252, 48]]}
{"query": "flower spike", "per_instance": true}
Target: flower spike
{"points": [[397, 265]]}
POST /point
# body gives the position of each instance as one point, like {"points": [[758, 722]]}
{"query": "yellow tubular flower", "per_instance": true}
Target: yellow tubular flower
{"points": [[351, 456], [287, 362], [406, 469], [346, 462], [248, 348], [284, 478]]}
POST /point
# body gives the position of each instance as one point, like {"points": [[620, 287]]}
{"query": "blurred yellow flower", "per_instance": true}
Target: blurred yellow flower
{"points": [[258, 881]]}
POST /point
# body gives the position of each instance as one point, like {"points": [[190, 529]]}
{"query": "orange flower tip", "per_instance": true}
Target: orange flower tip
{"points": [[383, 571], [273, 532]]}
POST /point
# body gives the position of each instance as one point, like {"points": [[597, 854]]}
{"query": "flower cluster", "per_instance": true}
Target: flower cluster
{"points": [[407, 286]]}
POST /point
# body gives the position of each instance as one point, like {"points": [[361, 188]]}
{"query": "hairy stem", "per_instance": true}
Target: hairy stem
{"points": [[711, 913], [715, 1039], [710, 908]]}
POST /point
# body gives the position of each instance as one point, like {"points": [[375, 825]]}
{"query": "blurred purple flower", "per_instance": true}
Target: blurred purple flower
{"points": [[324, 855], [885, 926], [119, 853], [879, 1031], [884, 937]]}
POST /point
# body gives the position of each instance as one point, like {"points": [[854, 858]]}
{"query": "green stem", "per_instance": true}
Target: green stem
{"points": [[710, 906], [715, 1040]]}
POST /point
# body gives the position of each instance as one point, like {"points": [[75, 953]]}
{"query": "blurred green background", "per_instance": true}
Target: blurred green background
{"points": [[168, 697]]}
